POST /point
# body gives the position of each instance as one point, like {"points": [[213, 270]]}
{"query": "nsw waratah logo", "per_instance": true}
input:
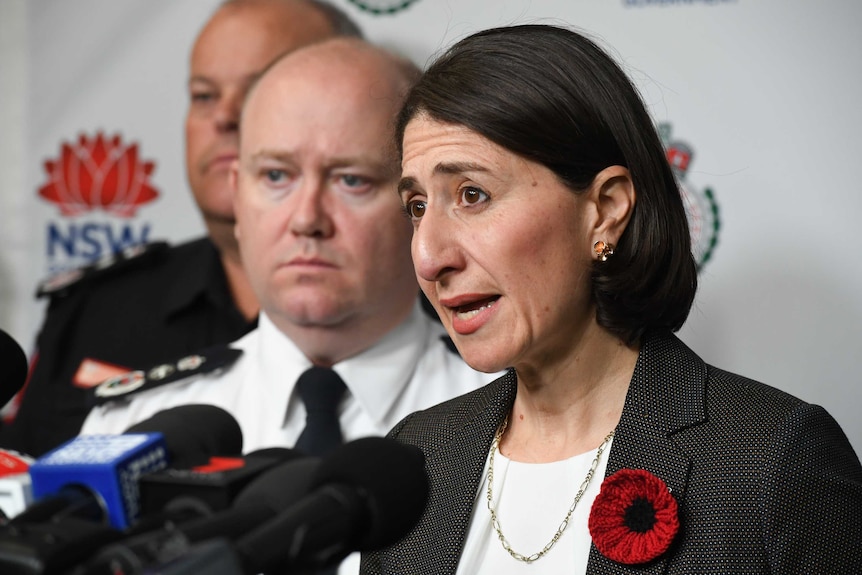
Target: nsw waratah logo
{"points": [[99, 173], [700, 205]]}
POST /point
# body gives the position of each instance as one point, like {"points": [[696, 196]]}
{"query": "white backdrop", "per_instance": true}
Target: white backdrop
{"points": [[765, 92]]}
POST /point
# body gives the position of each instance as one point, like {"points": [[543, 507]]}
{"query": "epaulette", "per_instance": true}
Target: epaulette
{"points": [[115, 262], [122, 387]]}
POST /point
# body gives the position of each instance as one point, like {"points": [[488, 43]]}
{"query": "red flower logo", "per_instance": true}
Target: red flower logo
{"points": [[634, 519], [98, 173]]}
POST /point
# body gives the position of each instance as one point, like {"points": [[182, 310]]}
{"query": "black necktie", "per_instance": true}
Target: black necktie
{"points": [[321, 390]]}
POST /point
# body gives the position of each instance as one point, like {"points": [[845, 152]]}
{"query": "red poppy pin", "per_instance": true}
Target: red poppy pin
{"points": [[634, 519]]}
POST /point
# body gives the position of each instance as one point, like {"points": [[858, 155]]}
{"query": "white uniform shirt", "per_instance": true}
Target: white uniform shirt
{"points": [[408, 370]]}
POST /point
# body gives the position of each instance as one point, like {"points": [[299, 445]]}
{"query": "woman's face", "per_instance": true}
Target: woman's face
{"points": [[501, 247]]}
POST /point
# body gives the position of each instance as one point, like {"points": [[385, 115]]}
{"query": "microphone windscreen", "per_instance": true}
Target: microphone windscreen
{"points": [[193, 433], [281, 486], [281, 454], [13, 367], [265, 496], [390, 475]]}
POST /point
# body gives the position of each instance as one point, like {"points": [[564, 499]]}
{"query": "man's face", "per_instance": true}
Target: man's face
{"points": [[322, 235], [233, 48]]}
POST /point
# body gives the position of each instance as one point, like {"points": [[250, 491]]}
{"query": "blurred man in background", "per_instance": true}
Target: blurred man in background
{"points": [[160, 302]]}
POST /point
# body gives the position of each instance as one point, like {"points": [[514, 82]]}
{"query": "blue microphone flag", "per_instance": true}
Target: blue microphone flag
{"points": [[108, 465]]}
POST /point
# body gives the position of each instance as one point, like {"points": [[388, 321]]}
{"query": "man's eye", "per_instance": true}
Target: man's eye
{"points": [[202, 97], [353, 181], [415, 209], [473, 196], [275, 176]]}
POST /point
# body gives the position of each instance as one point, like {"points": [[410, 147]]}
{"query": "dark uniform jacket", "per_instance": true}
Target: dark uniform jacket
{"points": [[134, 313], [765, 482]]}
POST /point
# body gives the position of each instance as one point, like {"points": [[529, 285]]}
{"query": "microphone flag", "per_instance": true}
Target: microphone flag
{"points": [[110, 465]]}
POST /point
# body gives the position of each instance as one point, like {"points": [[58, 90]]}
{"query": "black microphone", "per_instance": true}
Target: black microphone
{"points": [[205, 489], [366, 495], [263, 498], [194, 433], [13, 368], [175, 496]]}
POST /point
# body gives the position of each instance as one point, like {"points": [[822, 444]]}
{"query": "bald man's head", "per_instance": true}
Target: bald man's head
{"points": [[322, 234], [344, 61], [339, 21]]}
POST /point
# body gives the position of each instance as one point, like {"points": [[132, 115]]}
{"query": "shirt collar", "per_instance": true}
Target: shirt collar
{"points": [[375, 377]]}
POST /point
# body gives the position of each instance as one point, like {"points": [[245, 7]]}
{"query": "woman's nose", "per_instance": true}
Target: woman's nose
{"points": [[435, 246]]}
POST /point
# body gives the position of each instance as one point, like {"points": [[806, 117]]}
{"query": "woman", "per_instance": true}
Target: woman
{"points": [[551, 238]]}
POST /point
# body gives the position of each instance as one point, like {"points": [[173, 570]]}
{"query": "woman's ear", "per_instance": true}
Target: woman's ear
{"points": [[614, 195]]}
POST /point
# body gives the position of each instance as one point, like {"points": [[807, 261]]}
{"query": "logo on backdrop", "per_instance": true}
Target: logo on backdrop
{"points": [[98, 184], [700, 205], [381, 7], [651, 3]]}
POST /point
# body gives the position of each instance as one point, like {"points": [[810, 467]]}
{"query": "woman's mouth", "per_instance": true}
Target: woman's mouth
{"points": [[470, 310], [474, 308]]}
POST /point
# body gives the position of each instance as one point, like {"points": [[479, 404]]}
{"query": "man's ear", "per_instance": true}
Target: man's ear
{"points": [[613, 195], [233, 185]]}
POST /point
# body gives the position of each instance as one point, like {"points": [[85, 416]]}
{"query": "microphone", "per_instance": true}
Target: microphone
{"points": [[213, 557], [194, 433], [96, 476], [367, 494], [208, 488], [263, 498], [88, 478], [13, 368], [16, 492], [13, 463], [91, 479]]}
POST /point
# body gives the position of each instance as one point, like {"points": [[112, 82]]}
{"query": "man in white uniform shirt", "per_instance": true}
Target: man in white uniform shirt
{"points": [[327, 250]]}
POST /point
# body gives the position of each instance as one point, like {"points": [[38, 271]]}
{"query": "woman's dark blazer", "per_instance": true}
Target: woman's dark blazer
{"points": [[765, 482]]}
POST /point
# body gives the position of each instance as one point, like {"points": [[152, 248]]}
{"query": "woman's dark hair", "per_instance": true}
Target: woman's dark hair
{"points": [[554, 97]]}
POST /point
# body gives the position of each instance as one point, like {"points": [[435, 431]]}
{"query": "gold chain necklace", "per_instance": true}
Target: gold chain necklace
{"points": [[495, 446]]}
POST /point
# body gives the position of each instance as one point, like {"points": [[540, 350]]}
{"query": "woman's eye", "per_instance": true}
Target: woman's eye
{"points": [[415, 209], [473, 196]]}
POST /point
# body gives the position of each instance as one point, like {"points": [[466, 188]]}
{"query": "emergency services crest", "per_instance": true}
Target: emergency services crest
{"points": [[701, 207]]}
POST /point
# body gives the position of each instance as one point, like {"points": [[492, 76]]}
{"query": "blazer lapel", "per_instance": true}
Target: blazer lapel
{"points": [[666, 395], [456, 464]]}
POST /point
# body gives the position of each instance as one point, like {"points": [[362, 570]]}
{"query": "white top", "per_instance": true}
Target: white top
{"points": [[408, 370], [531, 501]]}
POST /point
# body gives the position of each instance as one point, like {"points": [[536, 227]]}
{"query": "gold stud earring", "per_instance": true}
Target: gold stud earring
{"points": [[603, 250]]}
